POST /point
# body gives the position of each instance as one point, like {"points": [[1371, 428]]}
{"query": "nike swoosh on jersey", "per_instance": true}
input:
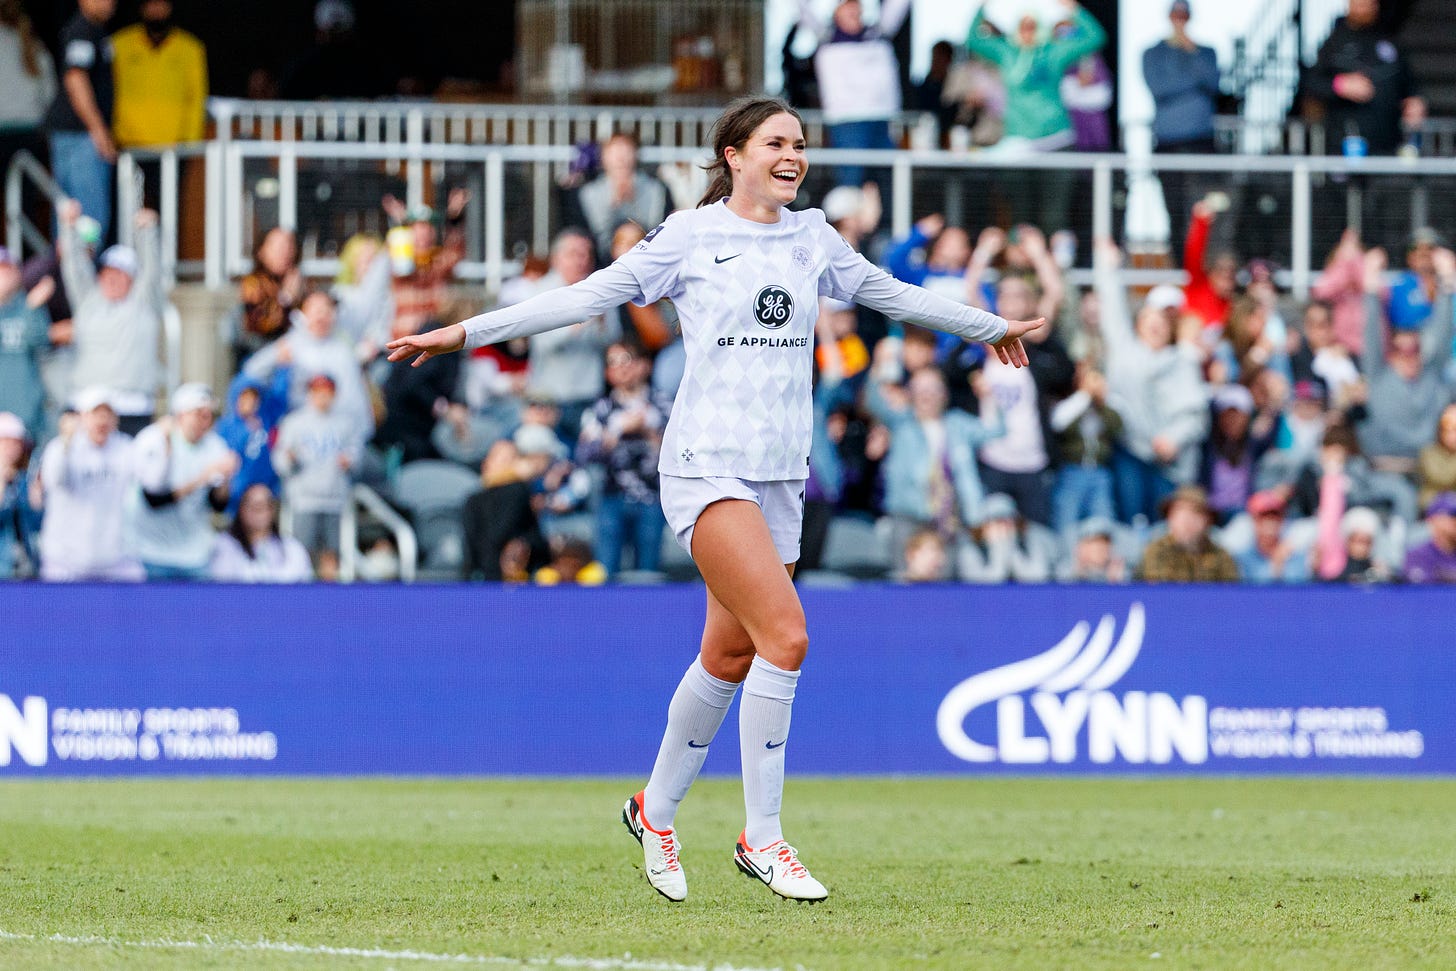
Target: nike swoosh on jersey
{"points": [[774, 745], [725, 259]]}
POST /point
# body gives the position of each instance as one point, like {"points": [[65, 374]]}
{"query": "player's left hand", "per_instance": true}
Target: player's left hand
{"points": [[1009, 348]]}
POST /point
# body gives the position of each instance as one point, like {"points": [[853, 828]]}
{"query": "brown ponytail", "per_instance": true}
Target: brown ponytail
{"points": [[734, 127]]}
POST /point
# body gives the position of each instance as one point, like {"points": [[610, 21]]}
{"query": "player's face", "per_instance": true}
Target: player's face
{"points": [[772, 164]]}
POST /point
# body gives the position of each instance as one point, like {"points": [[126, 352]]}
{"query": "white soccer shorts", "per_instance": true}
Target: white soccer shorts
{"points": [[782, 502]]}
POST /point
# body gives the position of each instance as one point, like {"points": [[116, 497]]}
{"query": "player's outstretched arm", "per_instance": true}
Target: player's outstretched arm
{"points": [[432, 343]]}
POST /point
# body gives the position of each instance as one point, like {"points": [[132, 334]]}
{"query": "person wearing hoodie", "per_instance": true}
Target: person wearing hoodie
{"points": [[1157, 389], [117, 316], [254, 410], [314, 346], [24, 333], [316, 452]]}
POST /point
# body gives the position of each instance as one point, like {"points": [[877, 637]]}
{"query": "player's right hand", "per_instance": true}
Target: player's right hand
{"points": [[433, 343]]}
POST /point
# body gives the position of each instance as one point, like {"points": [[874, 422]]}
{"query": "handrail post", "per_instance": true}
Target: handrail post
{"points": [[495, 229], [1299, 232]]}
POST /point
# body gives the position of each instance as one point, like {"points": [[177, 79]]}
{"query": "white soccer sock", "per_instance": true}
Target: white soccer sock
{"points": [[763, 731], [693, 718]]}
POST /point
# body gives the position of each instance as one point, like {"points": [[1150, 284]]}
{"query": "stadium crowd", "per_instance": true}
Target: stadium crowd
{"points": [[1218, 431]]}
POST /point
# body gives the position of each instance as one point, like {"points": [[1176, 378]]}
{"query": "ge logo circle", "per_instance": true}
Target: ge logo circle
{"points": [[773, 307]]}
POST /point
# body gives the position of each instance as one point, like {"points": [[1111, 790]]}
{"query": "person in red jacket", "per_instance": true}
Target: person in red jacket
{"points": [[1211, 284]]}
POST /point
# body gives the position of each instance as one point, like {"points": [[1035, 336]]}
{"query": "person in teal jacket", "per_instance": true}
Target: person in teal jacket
{"points": [[1032, 64]]}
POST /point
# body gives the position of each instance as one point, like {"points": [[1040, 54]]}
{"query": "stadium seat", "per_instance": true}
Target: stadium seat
{"points": [[428, 484], [857, 547]]}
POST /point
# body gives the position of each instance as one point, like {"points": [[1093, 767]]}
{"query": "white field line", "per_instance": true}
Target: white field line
{"points": [[625, 963]]}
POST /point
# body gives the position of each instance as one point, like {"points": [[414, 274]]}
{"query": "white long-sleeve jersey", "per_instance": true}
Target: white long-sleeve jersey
{"points": [[747, 295]]}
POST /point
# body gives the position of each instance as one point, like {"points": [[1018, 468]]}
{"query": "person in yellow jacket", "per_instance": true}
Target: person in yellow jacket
{"points": [[161, 81]]}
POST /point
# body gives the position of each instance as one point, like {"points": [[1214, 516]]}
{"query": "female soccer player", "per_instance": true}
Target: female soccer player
{"points": [[746, 274]]}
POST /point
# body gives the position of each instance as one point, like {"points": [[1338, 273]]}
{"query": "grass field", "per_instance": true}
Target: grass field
{"points": [[935, 873]]}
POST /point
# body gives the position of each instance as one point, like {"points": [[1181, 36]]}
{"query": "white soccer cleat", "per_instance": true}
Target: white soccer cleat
{"points": [[778, 866], [659, 852]]}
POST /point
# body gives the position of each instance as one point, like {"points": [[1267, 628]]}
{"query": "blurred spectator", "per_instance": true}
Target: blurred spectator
{"points": [[1272, 558], [622, 433], [415, 397], [503, 539], [1032, 65], [19, 514], [248, 426], [1352, 539], [571, 564], [1005, 547], [422, 262], [926, 558], [79, 119], [1211, 283], [1407, 388], [1156, 388], [1342, 285], [566, 363], [1437, 465], [1094, 558], [838, 348], [28, 78], [252, 551], [88, 473], [859, 78], [311, 347], [118, 316], [1187, 554], [1364, 83], [185, 472], [336, 65], [932, 255], [1435, 560], [1086, 91], [495, 375], [1183, 78], [459, 435], [929, 91], [801, 87], [361, 290], [976, 95], [24, 333], [622, 193], [1342, 478], [1413, 292], [930, 474], [161, 87], [269, 293], [1087, 429], [560, 492], [1323, 359], [1300, 430], [854, 213], [315, 455], [656, 326], [1248, 346], [1232, 451]]}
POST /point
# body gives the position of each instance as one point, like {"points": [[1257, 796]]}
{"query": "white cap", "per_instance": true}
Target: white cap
{"points": [[1234, 396], [89, 399], [12, 427], [191, 396], [842, 202], [1164, 296], [122, 258], [1361, 519], [538, 440]]}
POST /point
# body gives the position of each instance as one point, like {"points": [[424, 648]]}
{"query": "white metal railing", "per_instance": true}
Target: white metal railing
{"points": [[20, 232], [405, 542]]}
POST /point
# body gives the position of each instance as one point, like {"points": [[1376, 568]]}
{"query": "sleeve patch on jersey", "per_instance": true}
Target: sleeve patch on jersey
{"points": [[650, 236]]}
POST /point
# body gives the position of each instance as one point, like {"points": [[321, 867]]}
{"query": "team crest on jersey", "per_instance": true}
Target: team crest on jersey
{"points": [[773, 307], [802, 258]]}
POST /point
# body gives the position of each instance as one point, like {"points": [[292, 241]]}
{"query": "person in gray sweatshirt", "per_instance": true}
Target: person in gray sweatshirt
{"points": [[117, 316], [314, 345], [1406, 382], [1156, 386], [316, 452]]}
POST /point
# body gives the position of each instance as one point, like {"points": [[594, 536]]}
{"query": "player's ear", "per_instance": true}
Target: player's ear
{"points": [[730, 154]]}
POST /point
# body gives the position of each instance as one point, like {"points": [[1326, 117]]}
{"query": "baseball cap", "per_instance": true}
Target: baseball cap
{"points": [[1094, 526], [1424, 236], [1361, 519], [89, 399], [538, 440], [1443, 505], [841, 202], [1310, 391], [1266, 502], [998, 505], [121, 257], [12, 427], [1191, 494], [191, 396], [1234, 396], [1164, 296]]}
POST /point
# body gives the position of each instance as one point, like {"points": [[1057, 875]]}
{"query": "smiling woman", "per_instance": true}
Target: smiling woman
{"points": [[746, 274]]}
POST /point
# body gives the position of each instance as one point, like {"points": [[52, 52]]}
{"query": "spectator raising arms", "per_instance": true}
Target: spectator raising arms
{"points": [[24, 333], [185, 471], [117, 318], [88, 473], [268, 294]]}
